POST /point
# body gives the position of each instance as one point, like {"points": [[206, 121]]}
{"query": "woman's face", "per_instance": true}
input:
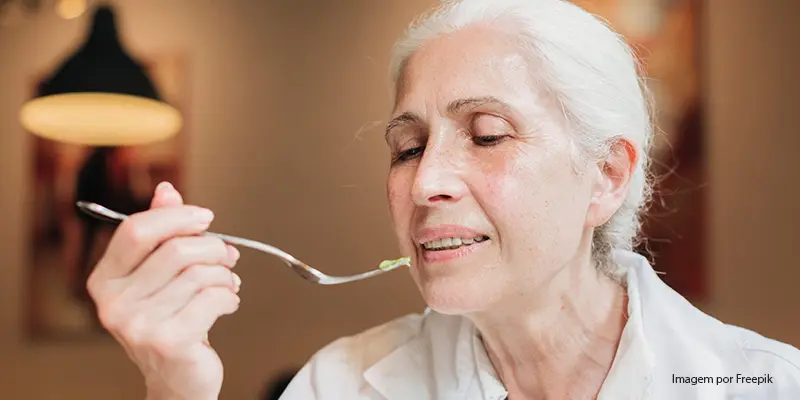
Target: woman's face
{"points": [[484, 191]]}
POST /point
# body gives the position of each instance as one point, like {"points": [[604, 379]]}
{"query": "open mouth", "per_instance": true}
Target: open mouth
{"points": [[453, 243]]}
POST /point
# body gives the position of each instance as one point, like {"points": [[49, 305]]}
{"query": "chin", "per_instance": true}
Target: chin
{"points": [[458, 293]]}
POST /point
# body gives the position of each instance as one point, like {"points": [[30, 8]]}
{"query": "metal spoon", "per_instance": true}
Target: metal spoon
{"points": [[300, 268]]}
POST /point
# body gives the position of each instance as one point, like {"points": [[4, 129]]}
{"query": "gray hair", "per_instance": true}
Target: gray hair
{"points": [[592, 75]]}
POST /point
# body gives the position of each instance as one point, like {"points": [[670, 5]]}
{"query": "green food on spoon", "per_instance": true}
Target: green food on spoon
{"points": [[391, 264]]}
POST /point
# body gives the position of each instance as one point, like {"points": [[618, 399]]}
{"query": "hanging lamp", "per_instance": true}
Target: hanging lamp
{"points": [[100, 96]]}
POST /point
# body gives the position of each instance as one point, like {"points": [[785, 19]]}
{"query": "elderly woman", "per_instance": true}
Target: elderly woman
{"points": [[519, 141]]}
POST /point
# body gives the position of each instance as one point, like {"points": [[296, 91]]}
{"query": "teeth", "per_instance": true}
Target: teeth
{"points": [[452, 243]]}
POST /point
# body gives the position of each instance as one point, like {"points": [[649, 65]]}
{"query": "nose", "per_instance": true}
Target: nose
{"points": [[438, 177]]}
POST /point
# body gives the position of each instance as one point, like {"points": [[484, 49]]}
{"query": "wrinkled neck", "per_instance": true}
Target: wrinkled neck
{"points": [[560, 342]]}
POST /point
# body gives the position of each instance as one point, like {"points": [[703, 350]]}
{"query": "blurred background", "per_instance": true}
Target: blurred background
{"points": [[283, 104]]}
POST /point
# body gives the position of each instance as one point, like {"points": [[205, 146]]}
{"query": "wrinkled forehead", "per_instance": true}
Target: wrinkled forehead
{"points": [[472, 63]]}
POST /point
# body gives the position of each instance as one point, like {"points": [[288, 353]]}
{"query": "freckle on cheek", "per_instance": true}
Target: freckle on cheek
{"points": [[494, 183], [392, 193]]}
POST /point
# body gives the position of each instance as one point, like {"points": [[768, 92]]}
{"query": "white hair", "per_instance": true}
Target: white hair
{"points": [[590, 72]]}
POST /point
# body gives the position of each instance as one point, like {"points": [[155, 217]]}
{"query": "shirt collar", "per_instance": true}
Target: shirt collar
{"points": [[685, 340], [490, 384], [632, 369], [437, 363], [451, 362]]}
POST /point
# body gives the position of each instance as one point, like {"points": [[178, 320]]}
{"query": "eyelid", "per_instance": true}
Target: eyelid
{"points": [[407, 143], [507, 126], [399, 135]]}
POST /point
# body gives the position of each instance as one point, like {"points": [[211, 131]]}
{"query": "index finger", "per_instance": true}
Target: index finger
{"points": [[137, 236]]}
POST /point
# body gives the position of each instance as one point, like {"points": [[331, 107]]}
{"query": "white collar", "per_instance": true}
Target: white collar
{"points": [[447, 360]]}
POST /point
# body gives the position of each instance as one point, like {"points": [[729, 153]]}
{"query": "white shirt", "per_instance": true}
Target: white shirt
{"points": [[666, 345]]}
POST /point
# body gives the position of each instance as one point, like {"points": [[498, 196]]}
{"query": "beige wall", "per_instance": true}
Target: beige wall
{"points": [[753, 104], [279, 95]]}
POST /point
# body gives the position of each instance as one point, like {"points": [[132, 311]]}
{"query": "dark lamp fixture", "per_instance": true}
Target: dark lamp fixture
{"points": [[100, 96]]}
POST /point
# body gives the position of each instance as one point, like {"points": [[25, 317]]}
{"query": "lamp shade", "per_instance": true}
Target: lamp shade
{"points": [[100, 96]]}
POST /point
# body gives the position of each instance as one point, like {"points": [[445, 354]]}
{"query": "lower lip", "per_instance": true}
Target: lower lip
{"points": [[442, 256]]}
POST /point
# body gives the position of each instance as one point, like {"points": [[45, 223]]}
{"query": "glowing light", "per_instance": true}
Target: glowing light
{"points": [[71, 9], [100, 119]]}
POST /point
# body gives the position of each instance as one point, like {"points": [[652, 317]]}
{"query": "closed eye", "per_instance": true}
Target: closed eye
{"points": [[408, 155], [490, 140], [489, 130]]}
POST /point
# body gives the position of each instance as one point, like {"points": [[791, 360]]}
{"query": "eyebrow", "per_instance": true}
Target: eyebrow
{"points": [[459, 106], [402, 119], [455, 107]]}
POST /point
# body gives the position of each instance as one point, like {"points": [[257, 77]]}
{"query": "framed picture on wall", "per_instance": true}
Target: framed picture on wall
{"points": [[63, 244], [666, 36]]}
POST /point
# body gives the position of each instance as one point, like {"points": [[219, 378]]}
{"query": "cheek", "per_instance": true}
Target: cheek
{"points": [[494, 174], [517, 202], [532, 197], [392, 195], [398, 192], [507, 188], [509, 183], [401, 206]]}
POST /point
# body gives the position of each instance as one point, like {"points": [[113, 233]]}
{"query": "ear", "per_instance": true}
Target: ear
{"points": [[611, 187]]}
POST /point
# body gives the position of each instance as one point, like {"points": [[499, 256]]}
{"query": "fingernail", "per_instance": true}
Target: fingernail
{"points": [[233, 253], [163, 187], [204, 215], [237, 282]]}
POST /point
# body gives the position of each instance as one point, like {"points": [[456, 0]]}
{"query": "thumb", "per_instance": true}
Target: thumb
{"points": [[166, 196]]}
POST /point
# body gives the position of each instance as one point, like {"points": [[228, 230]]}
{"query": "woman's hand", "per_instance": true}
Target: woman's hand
{"points": [[160, 287]]}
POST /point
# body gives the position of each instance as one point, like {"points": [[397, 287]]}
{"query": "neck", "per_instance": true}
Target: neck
{"points": [[558, 342]]}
